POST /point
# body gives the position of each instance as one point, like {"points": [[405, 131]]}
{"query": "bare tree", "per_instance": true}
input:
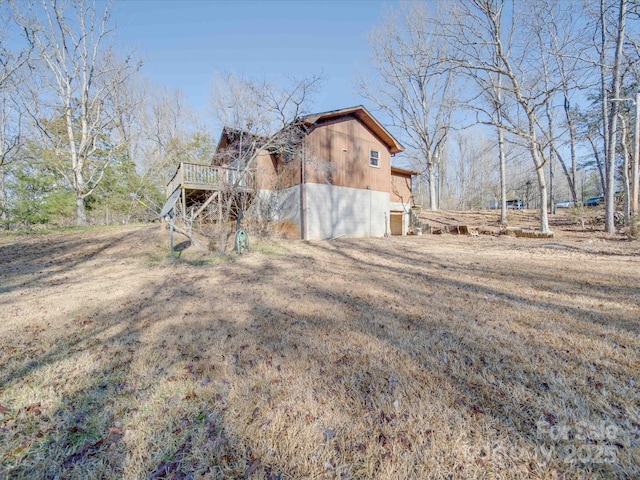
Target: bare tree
{"points": [[471, 179], [491, 103], [11, 120], [163, 132], [414, 86], [11, 61], [483, 37], [77, 73], [590, 133], [613, 54], [611, 84], [501, 150], [11, 140], [260, 118], [559, 34], [625, 168]]}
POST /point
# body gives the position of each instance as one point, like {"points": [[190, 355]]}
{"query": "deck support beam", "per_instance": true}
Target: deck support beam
{"points": [[205, 204]]}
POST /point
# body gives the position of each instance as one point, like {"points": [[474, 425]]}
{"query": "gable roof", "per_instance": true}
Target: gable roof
{"points": [[231, 134], [365, 117]]}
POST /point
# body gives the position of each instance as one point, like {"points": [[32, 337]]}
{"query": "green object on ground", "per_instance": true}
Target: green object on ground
{"points": [[241, 242]]}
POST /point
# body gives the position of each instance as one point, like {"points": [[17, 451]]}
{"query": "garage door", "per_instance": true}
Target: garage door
{"points": [[396, 223]]}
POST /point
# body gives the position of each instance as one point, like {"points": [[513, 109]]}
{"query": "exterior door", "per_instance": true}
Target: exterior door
{"points": [[395, 223]]}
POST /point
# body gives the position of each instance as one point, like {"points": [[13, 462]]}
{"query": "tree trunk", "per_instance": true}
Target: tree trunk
{"points": [[503, 178], [610, 173], [78, 187], [81, 217], [634, 164], [3, 198], [433, 198], [625, 170], [627, 190], [609, 199], [542, 189], [440, 172], [551, 183], [542, 182], [609, 219], [605, 101], [574, 162]]}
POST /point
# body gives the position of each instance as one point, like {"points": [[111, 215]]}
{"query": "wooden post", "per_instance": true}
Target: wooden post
{"points": [[171, 234], [184, 193]]}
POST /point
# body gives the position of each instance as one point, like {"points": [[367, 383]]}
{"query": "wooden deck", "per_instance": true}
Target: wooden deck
{"points": [[192, 176]]}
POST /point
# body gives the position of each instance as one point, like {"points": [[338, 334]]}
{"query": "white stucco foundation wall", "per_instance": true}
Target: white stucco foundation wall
{"points": [[279, 204], [333, 211]]}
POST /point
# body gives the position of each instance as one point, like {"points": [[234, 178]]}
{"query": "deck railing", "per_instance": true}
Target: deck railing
{"points": [[208, 177], [417, 200]]}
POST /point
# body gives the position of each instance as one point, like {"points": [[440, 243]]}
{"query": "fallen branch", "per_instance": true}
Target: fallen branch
{"points": [[192, 238]]}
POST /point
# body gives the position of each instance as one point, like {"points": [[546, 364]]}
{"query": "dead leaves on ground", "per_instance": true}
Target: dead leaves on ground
{"points": [[90, 448], [172, 469], [389, 441]]}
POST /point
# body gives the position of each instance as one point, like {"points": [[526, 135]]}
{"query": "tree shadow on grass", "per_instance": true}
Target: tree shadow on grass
{"points": [[423, 268], [455, 355], [34, 263], [254, 369], [462, 355], [117, 396]]}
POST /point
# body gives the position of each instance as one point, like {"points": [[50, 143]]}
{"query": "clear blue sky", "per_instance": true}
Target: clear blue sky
{"points": [[182, 43]]}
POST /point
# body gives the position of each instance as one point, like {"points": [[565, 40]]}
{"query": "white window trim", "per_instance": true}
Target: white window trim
{"points": [[371, 150]]}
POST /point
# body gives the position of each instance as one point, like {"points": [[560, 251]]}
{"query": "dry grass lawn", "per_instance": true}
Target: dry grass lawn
{"points": [[442, 357]]}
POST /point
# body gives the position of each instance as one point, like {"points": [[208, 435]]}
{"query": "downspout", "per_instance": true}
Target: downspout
{"points": [[303, 202]]}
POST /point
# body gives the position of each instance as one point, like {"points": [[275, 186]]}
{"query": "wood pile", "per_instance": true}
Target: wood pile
{"points": [[522, 233]]}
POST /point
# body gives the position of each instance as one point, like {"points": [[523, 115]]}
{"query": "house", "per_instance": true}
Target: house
{"points": [[329, 175]]}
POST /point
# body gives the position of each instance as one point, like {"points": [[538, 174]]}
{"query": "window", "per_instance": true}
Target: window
{"points": [[374, 158]]}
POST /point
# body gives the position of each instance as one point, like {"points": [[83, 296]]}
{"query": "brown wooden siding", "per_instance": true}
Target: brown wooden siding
{"points": [[400, 188], [265, 171], [289, 173], [346, 142]]}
